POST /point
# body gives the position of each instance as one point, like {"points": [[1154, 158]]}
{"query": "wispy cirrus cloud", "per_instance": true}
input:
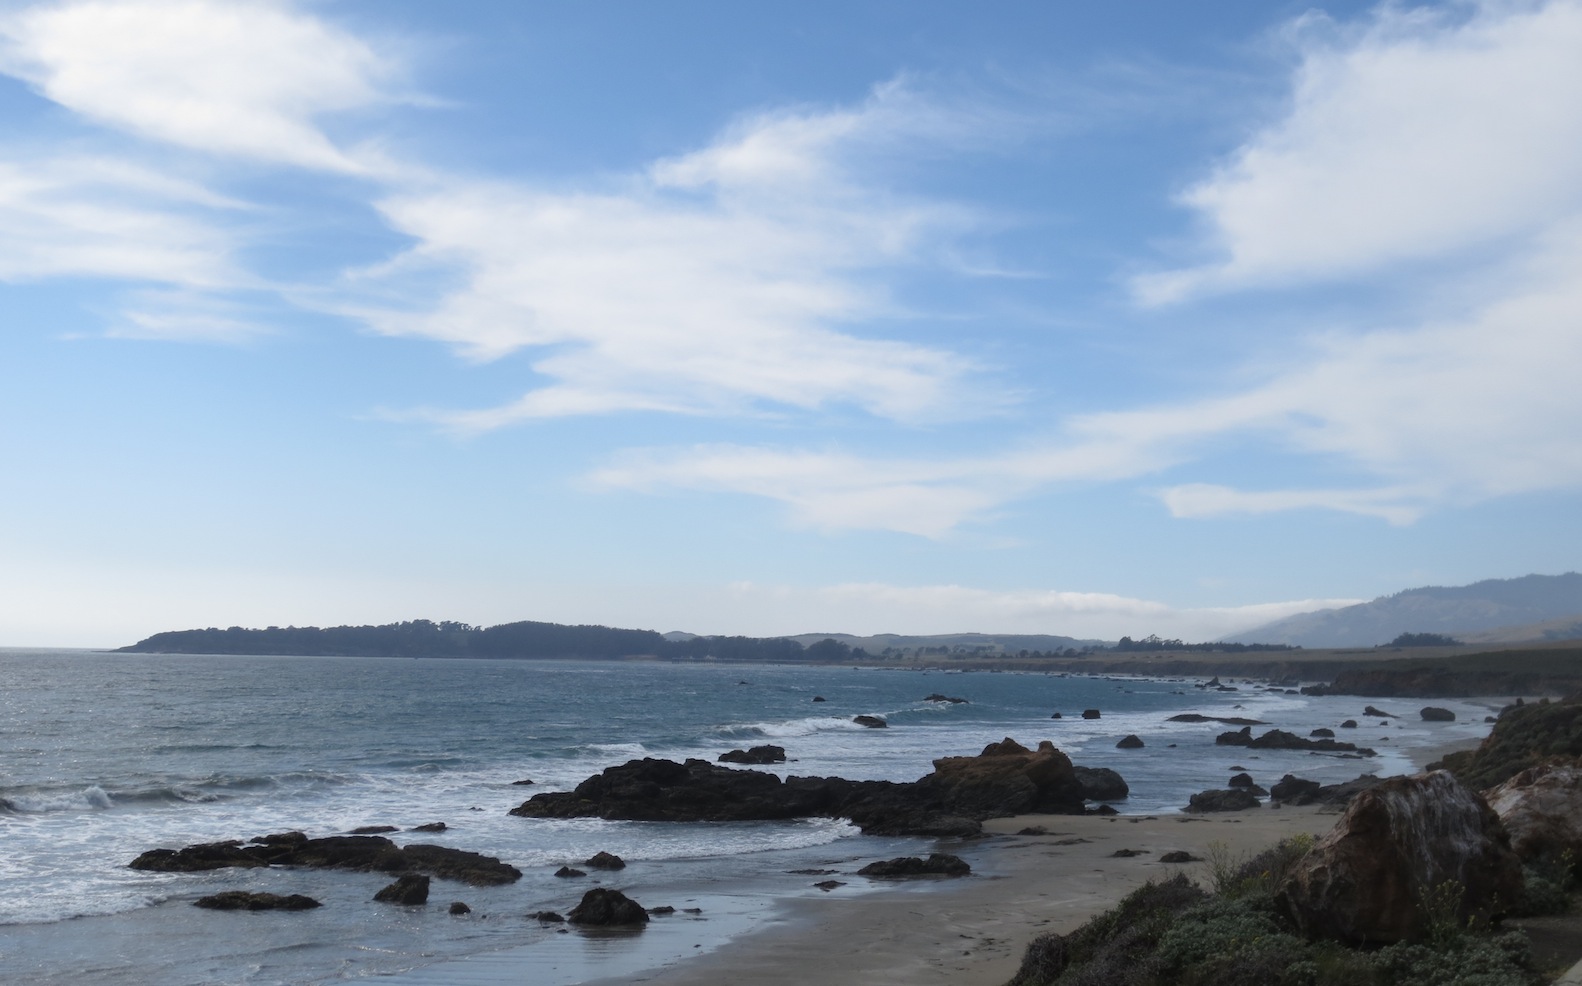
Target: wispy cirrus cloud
{"points": [[722, 281]]}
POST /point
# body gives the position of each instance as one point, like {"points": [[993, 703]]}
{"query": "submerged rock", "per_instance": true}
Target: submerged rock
{"points": [[409, 888], [459, 907], [602, 906], [765, 754], [1408, 852], [239, 900], [872, 722], [937, 697]]}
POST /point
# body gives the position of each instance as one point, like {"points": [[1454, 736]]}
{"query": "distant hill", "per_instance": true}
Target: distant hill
{"points": [[1530, 607], [895, 644]]}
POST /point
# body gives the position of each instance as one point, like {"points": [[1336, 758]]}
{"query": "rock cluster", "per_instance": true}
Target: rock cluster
{"points": [[241, 900], [937, 864], [765, 754], [1279, 739], [1005, 779], [363, 853]]}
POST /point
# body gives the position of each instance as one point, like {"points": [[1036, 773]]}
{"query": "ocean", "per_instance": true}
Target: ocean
{"points": [[103, 756]]}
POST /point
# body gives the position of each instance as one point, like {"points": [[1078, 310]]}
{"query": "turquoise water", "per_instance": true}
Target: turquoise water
{"points": [[103, 756]]}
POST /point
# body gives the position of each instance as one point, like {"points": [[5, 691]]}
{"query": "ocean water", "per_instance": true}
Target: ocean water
{"points": [[103, 756]]}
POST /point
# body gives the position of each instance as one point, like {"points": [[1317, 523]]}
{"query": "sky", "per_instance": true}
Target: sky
{"points": [[912, 317]]}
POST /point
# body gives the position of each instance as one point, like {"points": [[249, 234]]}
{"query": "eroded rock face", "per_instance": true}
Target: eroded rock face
{"points": [[1397, 847], [1541, 808], [603, 906]]}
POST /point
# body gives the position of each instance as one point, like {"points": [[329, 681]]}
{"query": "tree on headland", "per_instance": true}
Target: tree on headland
{"points": [[1424, 640]]}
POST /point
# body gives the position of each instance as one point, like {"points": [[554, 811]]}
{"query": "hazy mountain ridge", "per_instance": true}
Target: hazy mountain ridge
{"points": [[1529, 607]]}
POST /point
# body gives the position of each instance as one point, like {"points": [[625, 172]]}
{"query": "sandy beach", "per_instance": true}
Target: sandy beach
{"points": [[972, 931]]}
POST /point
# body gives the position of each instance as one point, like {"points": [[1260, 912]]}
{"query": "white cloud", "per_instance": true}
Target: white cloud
{"points": [[716, 282], [1428, 132], [91, 217], [1209, 500], [244, 79]]}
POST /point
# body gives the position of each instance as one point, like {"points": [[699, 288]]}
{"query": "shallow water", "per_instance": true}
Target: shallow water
{"points": [[103, 756]]}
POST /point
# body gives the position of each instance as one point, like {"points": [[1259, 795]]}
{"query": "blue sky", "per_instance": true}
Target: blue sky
{"points": [[751, 318]]}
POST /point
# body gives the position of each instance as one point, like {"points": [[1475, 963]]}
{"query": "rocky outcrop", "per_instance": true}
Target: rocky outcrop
{"points": [[567, 872], [1369, 710], [1232, 799], [1130, 741], [1433, 713], [459, 908], [872, 722], [604, 907], [409, 888], [937, 697], [240, 900], [1541, 809], [604, 861], [937, 864], [1407, 853], [765, 754], [431, 827], [1005, 779], [1524, 736], [1226, 720], [362, 853], [1091, 714], [1279, 739], [1291, 789], [1101, 784], [1294, 790]]}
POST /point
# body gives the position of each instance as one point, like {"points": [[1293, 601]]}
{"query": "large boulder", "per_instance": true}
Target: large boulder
{"points": [[1231, 799], [409, 888], [1541, 808], [1407, 853], [1101, 784], [1433, 713], [603, 906]]}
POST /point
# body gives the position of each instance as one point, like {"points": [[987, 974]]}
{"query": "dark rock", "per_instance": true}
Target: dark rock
{"points": [[1279, 739], [1101, 784], [430, 827], [812, 872], [524, 782], [1433, 713], [818, 698], [547, 917], [1323, 732], [361, 853], [937, 864], [374, 829], [568, 871], [692, 910], [765, 754], [661, 910], [602, 906], [1033, 830], [1377, 713], [872, 722], [458, 907], [1101, 810], [1090, 714], [1227, 720], [239, 900], [1241, 780], [828, 885], [937, 697], [1128, 853], [1235, 799], [1005, 779], [1294, 790], [1180, 856], [1055, 716], [409, 888], [1379, 875], [1349, 724], [1131, 741], [1490, 719], [605, 861]]}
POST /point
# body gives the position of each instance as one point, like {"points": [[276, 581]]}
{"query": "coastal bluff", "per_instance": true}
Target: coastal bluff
{"points": [[1005, 779]]}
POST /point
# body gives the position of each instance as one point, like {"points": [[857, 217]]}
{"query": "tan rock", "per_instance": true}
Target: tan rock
{"points": [[1406, 853], [1541, 808]]}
